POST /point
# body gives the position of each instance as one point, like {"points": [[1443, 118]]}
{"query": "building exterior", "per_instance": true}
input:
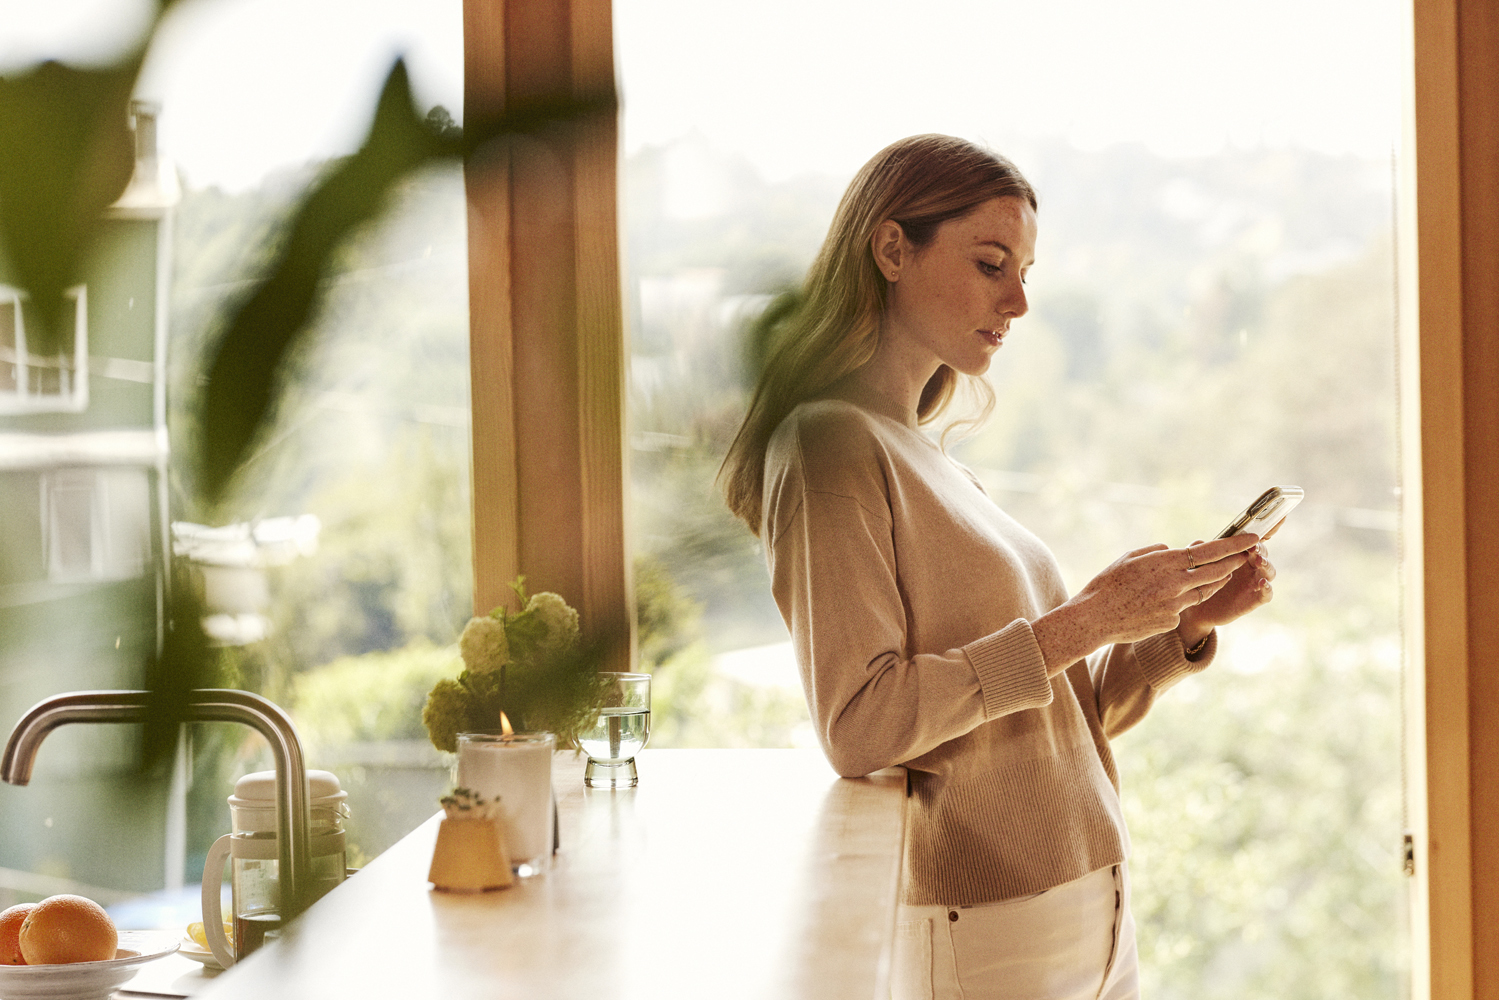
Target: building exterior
{"points": [[84, 543]]}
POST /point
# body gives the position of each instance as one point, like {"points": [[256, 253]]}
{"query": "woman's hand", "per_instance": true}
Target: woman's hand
{"points": [[1147, 592], [1247, 589]]}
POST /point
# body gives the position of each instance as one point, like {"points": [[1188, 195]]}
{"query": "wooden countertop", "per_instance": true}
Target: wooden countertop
{"points": [[724, 874]]}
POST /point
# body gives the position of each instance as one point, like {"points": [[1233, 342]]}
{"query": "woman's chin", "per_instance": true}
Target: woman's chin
{"points": [[975, 367]]}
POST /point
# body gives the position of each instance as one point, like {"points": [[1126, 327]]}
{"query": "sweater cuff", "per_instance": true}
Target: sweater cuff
{"points": [[1163, 660], [1011, 670]]}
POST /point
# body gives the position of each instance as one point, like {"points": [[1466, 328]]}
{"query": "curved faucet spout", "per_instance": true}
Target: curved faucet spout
{"points": [[203, 705]]}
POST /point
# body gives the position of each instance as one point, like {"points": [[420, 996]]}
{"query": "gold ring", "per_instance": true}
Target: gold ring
{"points": [[1191, 561], [1199, 594]]}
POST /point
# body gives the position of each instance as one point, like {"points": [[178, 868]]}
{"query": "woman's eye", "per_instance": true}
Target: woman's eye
{"points": [[989, 268]]}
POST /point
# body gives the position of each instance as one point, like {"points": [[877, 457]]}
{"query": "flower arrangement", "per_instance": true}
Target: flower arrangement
{"points": [[528, 666]]}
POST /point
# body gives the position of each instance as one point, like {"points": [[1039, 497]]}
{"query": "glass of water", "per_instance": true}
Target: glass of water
{"points": [[619, 733]]}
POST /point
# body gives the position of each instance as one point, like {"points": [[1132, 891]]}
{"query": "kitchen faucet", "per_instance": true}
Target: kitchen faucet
{"points": [[203, 705]]}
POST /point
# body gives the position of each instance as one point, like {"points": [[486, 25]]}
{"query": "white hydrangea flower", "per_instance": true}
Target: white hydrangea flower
{"points": [[483, 645], [561, 621]]}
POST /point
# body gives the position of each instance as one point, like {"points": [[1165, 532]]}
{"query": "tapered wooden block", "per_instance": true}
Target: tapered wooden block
{"points": [[470, 856]]}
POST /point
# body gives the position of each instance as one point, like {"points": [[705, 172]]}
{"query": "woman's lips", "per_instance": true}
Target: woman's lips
{"points": [[994, 337]]}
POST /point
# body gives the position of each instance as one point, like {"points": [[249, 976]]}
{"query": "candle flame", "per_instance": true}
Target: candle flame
{"points": [[505, 725]]}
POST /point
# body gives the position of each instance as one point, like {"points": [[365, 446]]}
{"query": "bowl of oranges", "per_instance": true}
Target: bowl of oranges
{"points": [[67, 946]]}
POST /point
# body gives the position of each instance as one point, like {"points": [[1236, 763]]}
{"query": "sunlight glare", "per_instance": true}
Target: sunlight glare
{"points": [[78, 32]]}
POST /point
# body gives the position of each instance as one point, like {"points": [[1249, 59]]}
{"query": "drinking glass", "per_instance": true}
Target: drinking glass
{"points": [[619, 732]]}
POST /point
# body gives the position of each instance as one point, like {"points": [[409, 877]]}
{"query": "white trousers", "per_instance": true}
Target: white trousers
{"points": [[1073, 942]]}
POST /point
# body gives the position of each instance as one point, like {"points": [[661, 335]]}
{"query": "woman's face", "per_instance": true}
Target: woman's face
{"points": [[954, 299]]}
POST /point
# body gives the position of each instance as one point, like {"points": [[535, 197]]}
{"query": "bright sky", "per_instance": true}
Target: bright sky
{"points": [[825, 83], [795, 85]]}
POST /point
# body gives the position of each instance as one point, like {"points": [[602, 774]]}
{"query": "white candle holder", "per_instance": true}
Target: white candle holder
{"points": [[516, 769]]}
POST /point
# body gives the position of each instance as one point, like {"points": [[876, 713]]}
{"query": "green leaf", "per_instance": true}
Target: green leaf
{"points": [[241, 382], [241, 379], [184, 664], [66, 154]]}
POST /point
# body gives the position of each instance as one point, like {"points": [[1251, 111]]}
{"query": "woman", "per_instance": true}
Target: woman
{"points": [[932, 630]]}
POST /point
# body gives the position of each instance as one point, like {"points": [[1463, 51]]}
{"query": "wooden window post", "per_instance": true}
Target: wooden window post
{"points": [[546, 331]]}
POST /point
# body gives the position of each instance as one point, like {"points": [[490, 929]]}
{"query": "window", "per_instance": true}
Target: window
{"points": [[1212, 311], [95, 524], [30, 383]]}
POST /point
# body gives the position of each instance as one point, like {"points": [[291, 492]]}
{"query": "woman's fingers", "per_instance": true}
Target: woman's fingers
{"points": [[1146, 550], [1150, 589], [1203, 553], [1216, 571], [1201, 593], [1162, 570], [1261, 560]]}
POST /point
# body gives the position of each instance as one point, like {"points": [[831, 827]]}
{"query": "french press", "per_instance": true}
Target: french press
{"points": [[252, 852]]}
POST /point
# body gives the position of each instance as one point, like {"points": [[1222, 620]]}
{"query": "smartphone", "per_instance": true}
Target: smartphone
{"points": [[1266, 512]]}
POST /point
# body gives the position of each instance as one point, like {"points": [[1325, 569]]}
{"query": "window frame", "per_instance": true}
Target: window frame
{"points": [[22, 400], [1449, 344]]}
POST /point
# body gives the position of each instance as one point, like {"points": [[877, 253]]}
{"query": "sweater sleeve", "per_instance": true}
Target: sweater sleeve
{"points": [[874, 703], [1127, 678]]}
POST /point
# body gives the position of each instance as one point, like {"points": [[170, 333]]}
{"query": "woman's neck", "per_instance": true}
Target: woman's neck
{"points": [[866, 389], [897, 372]]}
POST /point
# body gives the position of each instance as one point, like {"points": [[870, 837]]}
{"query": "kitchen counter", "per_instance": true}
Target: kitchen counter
{"points": [[724, 874]]}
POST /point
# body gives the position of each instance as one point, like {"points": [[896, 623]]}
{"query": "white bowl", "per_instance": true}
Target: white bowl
{"points": [[86, 980]]}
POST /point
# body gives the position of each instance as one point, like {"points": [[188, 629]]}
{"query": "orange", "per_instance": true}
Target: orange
{"points": [[10, 933], [64, 929]]}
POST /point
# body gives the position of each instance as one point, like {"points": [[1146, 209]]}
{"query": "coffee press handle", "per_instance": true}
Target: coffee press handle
{"points": [[213, 907]]}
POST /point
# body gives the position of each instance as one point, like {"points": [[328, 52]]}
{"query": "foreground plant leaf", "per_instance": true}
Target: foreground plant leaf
{"points": [[66, 154], [241, 379], [186, 662], [241, 384]]}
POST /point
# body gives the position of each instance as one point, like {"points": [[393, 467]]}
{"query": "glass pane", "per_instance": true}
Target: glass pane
{"points": [[339, 571], [354, 509], [353, 515], [1211, 313]]}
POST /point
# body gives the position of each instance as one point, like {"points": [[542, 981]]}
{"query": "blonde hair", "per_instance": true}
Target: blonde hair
{"points": [[832, 327]]}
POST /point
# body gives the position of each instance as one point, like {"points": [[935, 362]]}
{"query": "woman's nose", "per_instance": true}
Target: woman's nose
{"points": [[1016, 304]]}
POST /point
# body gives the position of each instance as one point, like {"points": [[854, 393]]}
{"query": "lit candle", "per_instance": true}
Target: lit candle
{"points": [[516, 769]]}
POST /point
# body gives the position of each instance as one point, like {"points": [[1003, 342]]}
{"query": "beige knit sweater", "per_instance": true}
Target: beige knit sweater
{"points": [[909, 597]]}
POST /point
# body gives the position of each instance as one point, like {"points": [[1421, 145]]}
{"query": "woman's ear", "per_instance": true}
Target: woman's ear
{"points": [[890, 249]]}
